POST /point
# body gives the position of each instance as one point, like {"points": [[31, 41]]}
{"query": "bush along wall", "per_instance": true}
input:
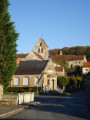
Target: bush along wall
{"points": [[23, 89], [70, 83]]}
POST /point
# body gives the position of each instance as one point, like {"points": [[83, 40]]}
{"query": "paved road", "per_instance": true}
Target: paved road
{"points": [[72, 107]]}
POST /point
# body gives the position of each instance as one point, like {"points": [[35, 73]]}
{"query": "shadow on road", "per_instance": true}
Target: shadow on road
{"points": [[75, 106]]}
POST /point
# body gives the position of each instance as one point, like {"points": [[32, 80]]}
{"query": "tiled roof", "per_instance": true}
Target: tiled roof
{"points": [[39, 56], [86, 64], [22, 55], [30, 67], [58, 69], [67, 57]]}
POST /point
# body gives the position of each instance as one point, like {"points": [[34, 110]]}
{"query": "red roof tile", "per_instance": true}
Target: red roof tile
{"points": [[59, 69], [86, 64], [67, 57], [22, 55]]}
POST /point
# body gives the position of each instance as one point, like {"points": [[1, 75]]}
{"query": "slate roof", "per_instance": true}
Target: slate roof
{"points": [[68, 57], [86, 64], [30, 67]]}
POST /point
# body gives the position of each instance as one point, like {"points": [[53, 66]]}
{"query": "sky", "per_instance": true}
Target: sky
{"points": [[61, 23]]}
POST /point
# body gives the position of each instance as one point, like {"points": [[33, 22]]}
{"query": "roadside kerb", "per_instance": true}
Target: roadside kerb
{"points": [[5, 115]]}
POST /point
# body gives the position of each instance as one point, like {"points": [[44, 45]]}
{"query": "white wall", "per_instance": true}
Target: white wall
{"points": [[26, 97]]}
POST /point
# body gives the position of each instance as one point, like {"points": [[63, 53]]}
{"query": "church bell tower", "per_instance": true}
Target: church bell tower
{"points": [[42, 49]]}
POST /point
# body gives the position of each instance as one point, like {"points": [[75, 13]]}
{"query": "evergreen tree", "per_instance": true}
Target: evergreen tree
{"points": [[8, 37]]}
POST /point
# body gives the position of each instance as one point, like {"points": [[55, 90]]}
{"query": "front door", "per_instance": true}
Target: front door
{"points": [[53, 84]]}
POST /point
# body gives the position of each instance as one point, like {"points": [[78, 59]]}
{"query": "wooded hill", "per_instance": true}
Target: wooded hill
{"points": [[78, 50]]}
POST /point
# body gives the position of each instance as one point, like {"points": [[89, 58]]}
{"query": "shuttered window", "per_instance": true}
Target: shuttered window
{"points": [[36, 81], [26, 81], [16, 81]]}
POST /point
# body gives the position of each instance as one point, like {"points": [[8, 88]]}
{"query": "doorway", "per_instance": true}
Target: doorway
{"points": [[53, 84]]}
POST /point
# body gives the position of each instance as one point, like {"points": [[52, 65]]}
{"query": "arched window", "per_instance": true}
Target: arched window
{"points": [[38, 50], [40, 44], [42, 50]]}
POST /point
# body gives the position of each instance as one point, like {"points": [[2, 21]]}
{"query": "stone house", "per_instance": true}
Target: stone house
{"points": [[86, 67], [37, 68], [72, 60]]}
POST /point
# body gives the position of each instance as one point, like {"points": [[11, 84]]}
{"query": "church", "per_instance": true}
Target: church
{"points": [[37, 69]]}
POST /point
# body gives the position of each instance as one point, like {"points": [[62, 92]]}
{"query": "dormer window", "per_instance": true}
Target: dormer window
{"points": [[40, 44]]}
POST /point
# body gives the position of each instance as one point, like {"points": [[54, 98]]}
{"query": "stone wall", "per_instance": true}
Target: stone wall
{"points": [[1, 91], [21, 98], [11, 99]]}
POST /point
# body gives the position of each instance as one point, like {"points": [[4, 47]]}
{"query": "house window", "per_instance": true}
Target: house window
{"points": [[38, 50], [17, 81], [86, 69], [79, 62], [71, 66], [40, 44], [36, 81], [76, 62], [42, 50], [26, 81]]}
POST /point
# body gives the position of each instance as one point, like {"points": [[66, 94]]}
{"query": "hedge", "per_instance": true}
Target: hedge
{"points": [[23, 89]]}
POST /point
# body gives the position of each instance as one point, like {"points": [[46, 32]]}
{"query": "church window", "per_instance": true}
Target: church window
{"points": [[38, 50], [42, 50], [40, 44]]}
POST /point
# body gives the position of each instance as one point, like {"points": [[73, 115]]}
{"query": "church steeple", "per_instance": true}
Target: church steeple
{"points": [[42, 48]]}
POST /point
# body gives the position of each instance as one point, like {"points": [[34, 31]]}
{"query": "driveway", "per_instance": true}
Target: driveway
{"points": [[71, 107]]}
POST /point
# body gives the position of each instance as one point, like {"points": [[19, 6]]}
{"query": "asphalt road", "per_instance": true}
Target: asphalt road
{"points": [[71, 107]]}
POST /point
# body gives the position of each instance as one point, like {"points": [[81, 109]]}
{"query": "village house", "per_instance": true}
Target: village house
{"points": [[72, 60], [37, 68], [86, 67]]}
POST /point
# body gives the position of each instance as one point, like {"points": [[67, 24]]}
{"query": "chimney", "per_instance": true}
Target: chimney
{"points": [[60, 52]]}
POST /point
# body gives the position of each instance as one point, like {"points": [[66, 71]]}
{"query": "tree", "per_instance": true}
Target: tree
{"points": [[79, 81], [64, 63], [62, 81], [72, 82], [8, 37]]}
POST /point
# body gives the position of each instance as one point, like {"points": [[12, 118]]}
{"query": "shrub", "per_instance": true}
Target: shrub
{"points": [[23, 89], [62, 81]]}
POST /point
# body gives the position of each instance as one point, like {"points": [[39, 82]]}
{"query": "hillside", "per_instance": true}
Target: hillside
{"points": [[78, 50]]}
